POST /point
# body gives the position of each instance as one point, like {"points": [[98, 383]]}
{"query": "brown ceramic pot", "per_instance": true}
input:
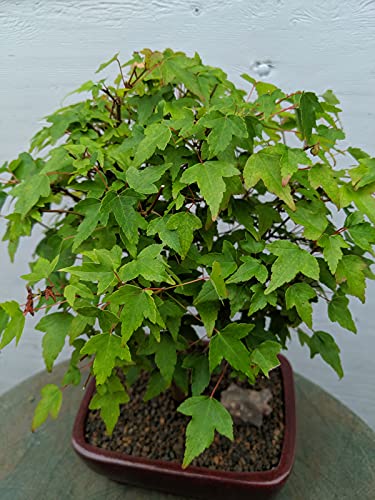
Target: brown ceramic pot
{"points": [[196, 482]]}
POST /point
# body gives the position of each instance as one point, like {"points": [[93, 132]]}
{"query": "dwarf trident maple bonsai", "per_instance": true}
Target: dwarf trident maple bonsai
{"points": [[173, 200]]}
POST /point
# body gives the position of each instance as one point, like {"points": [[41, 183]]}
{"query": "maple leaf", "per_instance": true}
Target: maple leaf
{"points": [[223, 129], [50, 404], [324, 344], [298, 296], [56, 325], [207, 415], [209, 177], [250, 268], [148, 264], [157, 136], [332, 252], [185, 223], [265, 356], [265, 166], [107, 399], [291, 260], [138, 305], [12, 322], [107, 349], [338, 311], [227, 345], [142, 181], [350, 270], [122, 207]]}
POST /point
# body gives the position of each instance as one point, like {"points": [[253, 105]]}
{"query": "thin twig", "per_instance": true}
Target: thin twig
{"points": [[150, 209], [101, 177], [219, 381], [122, 74]]}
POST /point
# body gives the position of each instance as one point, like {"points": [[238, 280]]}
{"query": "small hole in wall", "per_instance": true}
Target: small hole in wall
{"points": [[197, 10], [262, 68]]}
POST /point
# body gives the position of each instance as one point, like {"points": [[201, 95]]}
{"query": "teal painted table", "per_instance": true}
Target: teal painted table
{"points": [[335, 451]]}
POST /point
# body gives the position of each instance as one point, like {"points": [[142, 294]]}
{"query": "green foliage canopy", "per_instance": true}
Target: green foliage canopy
{"points": [[171, 200]]}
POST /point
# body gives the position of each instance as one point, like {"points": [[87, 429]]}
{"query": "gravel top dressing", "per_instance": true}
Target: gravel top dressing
{"points": [[156, 431]]}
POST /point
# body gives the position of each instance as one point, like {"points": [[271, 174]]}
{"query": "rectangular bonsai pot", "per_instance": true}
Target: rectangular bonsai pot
{"points": [[196, 482]]}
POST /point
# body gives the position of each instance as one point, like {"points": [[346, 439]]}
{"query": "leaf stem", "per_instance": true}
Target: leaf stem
{"points": [[219, 381]]}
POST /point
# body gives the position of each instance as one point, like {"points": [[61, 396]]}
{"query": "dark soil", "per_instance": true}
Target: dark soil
{"points": [[156, 431]]}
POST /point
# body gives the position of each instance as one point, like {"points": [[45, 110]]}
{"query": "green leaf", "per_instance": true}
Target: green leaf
{"points": [[156, 385], [290, 160], [56, 325], [86, 228], [364, 174], [260, 300], [94, 272], [210, 178], [78, 326], [332, 252], [265, 356], [267, 215], [13, 328], [217, 281], [122, 207], [363, 235], [107, 63], [171, 313], [49, 405], [200, 372], [166, 357], [249, 269], [298, 296], [138, 305], [169, 237], [142, 181], [330, 97], [185, 223], [208, 311], [223, 129], [179, 70], [108, 349], [42, 269], [245, 216], [324, 176], [308, 105], [338, 311], [74, 289], [148, 264], [156, 136], [265, 166], [291, 260], [227, 345], [226, 259], [207, 415], [29, 192], [324, 344], [312, 215], [362, 198], [350, 270], [108, 399], [266, 102]]}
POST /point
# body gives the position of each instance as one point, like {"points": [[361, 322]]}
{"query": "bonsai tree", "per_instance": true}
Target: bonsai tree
{"points": [[178, 208]]}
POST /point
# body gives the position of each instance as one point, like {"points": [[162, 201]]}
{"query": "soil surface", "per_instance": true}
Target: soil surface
{"points": [[156, 431]]}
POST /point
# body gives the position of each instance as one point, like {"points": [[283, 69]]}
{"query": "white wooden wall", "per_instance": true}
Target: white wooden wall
{"points": [[49, 47]]}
